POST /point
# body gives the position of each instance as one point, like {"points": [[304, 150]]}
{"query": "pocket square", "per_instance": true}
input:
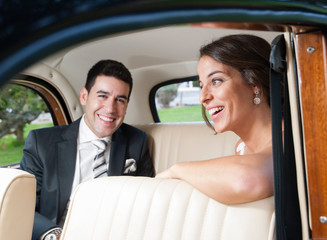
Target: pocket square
{"points": [[130, 166]]}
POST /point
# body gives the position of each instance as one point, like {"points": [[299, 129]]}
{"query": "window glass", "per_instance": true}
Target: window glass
{"points": [[179, 102], [21, 110]]}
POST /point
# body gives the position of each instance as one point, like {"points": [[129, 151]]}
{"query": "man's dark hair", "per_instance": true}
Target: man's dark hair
{"points": [[110, 68]]}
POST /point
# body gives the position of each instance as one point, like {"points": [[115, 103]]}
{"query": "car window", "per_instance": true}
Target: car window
{"points": [[21, 110], [178, 102]]}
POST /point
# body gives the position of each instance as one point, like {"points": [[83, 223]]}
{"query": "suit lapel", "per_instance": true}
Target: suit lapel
{"points": [[117, 153], [66, 149]]}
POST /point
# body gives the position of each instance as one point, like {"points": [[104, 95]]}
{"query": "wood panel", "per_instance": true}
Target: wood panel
{"points": [[311, 60]]}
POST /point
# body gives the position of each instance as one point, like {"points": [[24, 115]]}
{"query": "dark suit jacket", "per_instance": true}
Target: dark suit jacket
{"points": [[50, 154]]}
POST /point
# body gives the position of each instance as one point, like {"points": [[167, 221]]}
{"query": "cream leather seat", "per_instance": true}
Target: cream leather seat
{"points": [[170, 143], [135, 208], [17, 204]]}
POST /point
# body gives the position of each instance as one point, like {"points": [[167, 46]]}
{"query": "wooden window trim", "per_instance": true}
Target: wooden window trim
{"points": [[311, 55], [58, 111]]}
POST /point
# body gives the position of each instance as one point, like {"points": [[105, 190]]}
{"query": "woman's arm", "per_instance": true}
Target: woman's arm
{"points": [[229, 180]]}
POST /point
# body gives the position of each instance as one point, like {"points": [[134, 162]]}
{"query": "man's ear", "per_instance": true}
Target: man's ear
{"points": [[83, 95]]}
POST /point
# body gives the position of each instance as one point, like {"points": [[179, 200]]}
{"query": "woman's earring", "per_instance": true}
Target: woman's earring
{"points": [[256, 99]]}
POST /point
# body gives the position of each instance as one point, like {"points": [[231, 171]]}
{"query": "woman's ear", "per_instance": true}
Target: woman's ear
{"points": [[256, 90], [257, 93]]}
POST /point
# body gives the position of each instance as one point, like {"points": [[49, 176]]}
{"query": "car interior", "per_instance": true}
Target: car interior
{"points": [[151, 208]]}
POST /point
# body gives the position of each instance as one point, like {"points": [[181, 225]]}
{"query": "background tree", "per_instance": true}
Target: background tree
{"points": [[18, 106], [166, 94]]}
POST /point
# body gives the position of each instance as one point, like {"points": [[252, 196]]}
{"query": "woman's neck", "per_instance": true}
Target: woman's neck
{"points": [[257, 135]]}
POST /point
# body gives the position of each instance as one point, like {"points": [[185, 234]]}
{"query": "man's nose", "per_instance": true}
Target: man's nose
{"points": [[110, 104]]}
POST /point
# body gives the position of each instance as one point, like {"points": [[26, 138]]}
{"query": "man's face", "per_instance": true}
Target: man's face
{"points": [[105, 105]]}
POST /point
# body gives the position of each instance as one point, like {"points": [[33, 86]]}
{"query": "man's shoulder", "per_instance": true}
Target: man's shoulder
{"points": [[56, 129], [131, 129], [51, 129]]}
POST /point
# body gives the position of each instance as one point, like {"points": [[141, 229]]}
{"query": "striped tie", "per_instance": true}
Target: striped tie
{"points": [[99, 163]]}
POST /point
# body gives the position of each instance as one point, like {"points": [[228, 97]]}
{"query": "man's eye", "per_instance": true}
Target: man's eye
{"points": [[121, 100]]}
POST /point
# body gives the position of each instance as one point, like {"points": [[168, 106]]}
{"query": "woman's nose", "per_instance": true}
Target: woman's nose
{"points": [[205, 95]]}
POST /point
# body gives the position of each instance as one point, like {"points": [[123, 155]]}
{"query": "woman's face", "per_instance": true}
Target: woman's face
{"points": [[225, 95]]}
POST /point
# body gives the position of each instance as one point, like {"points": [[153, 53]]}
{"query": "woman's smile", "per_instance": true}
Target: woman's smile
{"points": [[214, 112]]}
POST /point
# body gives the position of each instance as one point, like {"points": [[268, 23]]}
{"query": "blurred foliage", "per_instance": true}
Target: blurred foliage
{"points": [[166, 94], [18, 106], [196, 83]]}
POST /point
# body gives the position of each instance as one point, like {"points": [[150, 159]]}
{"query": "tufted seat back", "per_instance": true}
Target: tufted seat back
{"points": [[140, 208], [176, 142]]}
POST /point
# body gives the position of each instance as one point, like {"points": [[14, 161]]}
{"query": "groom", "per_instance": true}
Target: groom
{"points": [[62, 157]]}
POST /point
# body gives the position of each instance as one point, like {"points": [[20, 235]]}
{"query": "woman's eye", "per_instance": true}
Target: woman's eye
{"points": [[216, 81]]}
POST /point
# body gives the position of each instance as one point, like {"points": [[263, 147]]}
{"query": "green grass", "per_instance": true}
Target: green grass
{"points": [[181, 114], [11, 151]]}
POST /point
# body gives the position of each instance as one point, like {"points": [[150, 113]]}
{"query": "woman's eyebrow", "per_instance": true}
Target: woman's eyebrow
{"points": [[214, 72]]}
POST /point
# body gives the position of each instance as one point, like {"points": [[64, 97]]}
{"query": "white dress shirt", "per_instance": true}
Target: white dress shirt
{"points": [[85, 154]]}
